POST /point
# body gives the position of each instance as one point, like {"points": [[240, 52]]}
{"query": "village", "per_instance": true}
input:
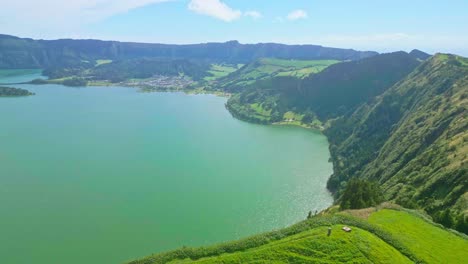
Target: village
{"points": [[161, 82]]}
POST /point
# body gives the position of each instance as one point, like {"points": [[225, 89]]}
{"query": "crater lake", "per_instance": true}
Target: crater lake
{"points": [[109, 174]]}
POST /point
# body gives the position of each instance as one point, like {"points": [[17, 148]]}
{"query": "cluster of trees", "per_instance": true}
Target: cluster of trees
{"points": [[457, 221], [360, 194], [10, 91], [75, 82]]}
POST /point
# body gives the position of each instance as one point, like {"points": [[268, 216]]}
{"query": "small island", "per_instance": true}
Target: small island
{"points": [[13, 92]]}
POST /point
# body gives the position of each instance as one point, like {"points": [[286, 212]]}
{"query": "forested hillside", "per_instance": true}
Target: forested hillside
{"points": [[267, 68], [413, 140], [28, 53], [391, 118], [133, 69], [335, 91]]}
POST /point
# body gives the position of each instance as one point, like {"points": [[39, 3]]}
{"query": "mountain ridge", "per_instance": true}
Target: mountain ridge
{"points": [[413, 139], [18, 52]]}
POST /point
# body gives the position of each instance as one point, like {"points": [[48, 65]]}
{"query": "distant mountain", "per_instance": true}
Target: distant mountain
{"points": [[419, 54], [28, 53]]}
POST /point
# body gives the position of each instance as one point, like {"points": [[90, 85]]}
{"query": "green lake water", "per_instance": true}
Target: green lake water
{"points": [[108, 174]]}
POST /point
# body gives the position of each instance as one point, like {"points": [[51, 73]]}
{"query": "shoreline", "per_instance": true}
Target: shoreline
{"points": [[296, 124]]}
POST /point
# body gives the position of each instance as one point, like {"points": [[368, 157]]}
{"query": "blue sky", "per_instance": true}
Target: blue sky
{"points": [[432, 26]]}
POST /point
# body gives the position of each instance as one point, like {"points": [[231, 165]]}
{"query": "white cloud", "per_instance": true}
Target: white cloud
{"points": [[60, 15], [253, 14], [297, 14], [214, 8]]}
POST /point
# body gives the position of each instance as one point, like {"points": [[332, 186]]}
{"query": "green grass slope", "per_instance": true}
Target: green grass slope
{"points": [[266, 68], [392, 235], [217, 71], [315, 246], [427, 242]]}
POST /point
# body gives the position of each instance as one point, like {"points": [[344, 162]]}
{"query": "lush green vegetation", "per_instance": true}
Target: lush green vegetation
{"points": [[379, 240], [360, 194], [11, 92], [22, 53], [412, 140], [337, 90], [314, 246], [119, 71], [266, 68], [220, 70], [428, 243], [388, 120]]}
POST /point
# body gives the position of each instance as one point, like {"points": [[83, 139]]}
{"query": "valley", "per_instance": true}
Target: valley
{"points": [[385, 149]]}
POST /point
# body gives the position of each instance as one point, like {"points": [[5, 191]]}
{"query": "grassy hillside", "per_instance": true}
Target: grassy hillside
{"points": [[376, 237], [428, 243], [314, 246], [337, 90], [413, 140], [267, 68], [217, 71]]}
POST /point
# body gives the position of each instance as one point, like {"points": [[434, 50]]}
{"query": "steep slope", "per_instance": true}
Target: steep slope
{"points": [[315, 247], [413, 140], [28, 53], [335, 91], [428, 243], [376, 237], [340, 88]]}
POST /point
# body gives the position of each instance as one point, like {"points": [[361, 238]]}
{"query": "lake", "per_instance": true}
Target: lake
{"points": [[109, 174]]}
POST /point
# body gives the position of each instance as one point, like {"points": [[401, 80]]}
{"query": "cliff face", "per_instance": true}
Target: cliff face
{"points": [[413, 140], [28, 53]]}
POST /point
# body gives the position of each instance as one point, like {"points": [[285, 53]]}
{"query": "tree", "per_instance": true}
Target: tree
{"points": [[308, 117], [445, 218], [462, 223], [360, 194]]}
